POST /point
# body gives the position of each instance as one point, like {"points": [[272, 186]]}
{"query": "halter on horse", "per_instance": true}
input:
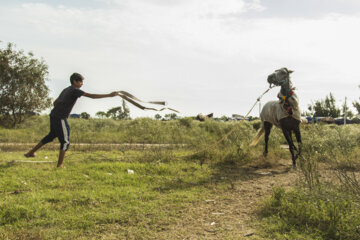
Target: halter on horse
{"points": [[284, 114], [281, 77]]}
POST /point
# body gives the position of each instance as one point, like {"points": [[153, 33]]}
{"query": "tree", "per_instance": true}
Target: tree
{"points": [[119, 112], [224, 118], [346, 109], [325, 108], [84, 115], [171, 116], [101, 114], [114, 113], [251, 118], [22, 85], [126, 111], [158, 116], [356, 105]]}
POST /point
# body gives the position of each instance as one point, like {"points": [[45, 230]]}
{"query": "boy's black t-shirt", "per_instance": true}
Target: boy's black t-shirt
{"points": [[65, 102]]}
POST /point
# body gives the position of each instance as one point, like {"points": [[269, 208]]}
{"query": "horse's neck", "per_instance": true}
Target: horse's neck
{"points": [[294, 101], [286, 88]]}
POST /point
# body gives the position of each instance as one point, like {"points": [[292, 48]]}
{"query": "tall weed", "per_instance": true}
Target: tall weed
{"points": [[324, 215], [323, 208]]}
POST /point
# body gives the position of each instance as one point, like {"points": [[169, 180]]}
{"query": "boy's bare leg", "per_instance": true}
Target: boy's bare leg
{"points": [[31, 153], [61, 158]]}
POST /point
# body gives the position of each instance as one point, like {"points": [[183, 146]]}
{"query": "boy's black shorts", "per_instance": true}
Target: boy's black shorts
{"points": [[58, 128]]}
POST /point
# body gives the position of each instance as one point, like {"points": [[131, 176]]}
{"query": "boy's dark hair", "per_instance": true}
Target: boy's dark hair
{"points": [[77, 77]]}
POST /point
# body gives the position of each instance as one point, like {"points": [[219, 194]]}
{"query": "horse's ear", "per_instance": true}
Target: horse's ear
{"points": [[289, 71]]}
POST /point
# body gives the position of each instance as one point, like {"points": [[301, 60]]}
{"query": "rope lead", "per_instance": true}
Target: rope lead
{"points": [[238, 124]]}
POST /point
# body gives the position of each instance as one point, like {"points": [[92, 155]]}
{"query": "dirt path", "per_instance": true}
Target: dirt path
{"points": [[88, 146], [230, 215]]}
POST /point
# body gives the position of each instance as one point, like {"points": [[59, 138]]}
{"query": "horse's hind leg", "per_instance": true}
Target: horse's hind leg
{"points": [[292, 148], [298, 138], [267, 127]]}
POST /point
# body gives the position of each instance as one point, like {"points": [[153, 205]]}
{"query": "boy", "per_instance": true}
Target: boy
{"points": [[58, 117]]}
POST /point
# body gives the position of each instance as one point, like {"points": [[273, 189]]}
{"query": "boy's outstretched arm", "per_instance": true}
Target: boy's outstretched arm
{"points": [[91, 95]]}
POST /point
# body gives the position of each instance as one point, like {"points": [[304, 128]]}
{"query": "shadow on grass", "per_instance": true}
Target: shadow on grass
{"points": [[6, 165], [229, 172], [33, 234]]}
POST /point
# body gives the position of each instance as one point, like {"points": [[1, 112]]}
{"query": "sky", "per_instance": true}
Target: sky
{"points": [[201, 56]]}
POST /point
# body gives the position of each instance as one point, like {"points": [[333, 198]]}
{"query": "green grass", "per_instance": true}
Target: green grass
{"points": [[298, 214], [326, 203], [95, 197], [140, 130], [94, 192]]}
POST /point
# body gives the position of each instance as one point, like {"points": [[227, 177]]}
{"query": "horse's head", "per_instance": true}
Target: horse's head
{"points": [[279, 77]]}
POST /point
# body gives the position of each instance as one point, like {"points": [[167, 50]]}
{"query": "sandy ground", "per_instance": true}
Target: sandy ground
{"points": [[231, 215]]}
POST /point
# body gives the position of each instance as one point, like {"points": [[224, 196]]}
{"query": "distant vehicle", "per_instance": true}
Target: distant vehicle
{"points": [[329, 120], [240, 119], [341, 121], [75, 115], [320, 119]]}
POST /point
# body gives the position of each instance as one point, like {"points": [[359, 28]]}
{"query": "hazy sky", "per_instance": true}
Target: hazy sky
{"points": [[200, 56]]}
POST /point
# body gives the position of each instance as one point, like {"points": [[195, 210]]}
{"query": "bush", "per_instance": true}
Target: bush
{"points": [[328, 214], [186, 122]]}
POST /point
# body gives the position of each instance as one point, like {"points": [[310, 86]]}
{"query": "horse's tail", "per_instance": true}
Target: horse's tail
{"points": [[258, 136]]}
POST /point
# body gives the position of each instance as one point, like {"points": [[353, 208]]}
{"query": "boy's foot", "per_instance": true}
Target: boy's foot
{"points": [[28, 155]]}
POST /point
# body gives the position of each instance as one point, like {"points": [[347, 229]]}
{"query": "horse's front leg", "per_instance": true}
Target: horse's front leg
{"points": [[292, 148], [267, 127]]}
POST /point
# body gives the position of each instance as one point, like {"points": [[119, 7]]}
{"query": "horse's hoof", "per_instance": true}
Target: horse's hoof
{"points": [[265, 154]]}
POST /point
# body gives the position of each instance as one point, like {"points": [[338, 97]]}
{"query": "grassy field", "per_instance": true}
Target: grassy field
{"points": [[167, 192], [95, 196]]}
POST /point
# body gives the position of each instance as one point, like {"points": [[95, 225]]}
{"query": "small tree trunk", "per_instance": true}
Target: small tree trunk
{"points": [[14, 121]]}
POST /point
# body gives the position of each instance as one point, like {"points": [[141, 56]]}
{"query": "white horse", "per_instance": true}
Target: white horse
{"points": [[284, 114]]}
